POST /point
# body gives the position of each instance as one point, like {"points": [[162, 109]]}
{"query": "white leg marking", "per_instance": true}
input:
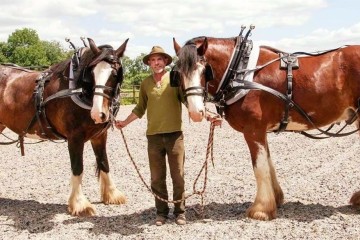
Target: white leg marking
{"points": [[109, 193], [102, 72], [263, 176], [78, 203]]}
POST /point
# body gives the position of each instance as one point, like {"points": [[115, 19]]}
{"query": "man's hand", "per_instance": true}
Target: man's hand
{"points": [[120, 124], [215, 119]]}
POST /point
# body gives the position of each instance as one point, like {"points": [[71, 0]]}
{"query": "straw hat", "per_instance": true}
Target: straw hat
{"points": [[157, 50]]}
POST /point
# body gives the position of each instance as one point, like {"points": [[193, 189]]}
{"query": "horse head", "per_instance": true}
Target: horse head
{"points": [[195, 73], [104, 71]]}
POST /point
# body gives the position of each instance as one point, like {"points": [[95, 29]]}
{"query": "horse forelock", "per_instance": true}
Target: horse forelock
{"points": [[187, 59]]}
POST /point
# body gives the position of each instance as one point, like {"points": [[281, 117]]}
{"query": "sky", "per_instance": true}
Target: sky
{"points": [[289, 25]]}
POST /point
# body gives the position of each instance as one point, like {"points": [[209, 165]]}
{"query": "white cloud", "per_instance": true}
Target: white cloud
{"points": [[319, 39], [148, 22]]}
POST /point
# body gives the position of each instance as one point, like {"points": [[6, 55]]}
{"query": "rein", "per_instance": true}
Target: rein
{"points": [[209, 151], [258, 86]]}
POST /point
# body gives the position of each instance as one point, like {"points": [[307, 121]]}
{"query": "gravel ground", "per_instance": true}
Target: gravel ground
{"points": [[318, 178]]}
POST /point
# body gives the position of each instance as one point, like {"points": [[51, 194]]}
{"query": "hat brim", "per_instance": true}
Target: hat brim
{"points": [[146, 58]]}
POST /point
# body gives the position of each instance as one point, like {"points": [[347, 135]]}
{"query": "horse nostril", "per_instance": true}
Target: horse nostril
{"points": [[102, 116]]}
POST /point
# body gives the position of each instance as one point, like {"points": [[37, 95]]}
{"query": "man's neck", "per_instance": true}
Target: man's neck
{"points": [[158, 76]]}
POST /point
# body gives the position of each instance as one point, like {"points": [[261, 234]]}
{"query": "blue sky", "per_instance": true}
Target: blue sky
{"points": [[291, 25]]}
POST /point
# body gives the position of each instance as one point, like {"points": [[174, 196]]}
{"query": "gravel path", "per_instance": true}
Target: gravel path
{"points": [[318, 178]]}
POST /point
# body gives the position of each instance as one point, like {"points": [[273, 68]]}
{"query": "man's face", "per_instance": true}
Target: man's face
{"points": [[157, 63]]}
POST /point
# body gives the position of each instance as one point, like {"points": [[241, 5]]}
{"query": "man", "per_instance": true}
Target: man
{"points": [[164, 133]]}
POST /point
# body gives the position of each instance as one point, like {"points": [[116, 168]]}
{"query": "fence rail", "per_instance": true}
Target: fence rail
{"points": [[130, 96]]}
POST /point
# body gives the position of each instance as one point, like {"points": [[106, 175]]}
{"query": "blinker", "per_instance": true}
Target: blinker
{"points": [[209, 75], [174, 78]]}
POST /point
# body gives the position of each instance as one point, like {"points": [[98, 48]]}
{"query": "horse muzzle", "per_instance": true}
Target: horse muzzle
{"points": [[99, 117], [197, 116]]}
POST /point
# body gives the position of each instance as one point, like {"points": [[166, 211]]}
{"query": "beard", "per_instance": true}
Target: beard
{"points": [[158, 70]]}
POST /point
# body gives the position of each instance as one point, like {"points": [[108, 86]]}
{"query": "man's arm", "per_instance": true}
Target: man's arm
{"points": [[121, 124]]}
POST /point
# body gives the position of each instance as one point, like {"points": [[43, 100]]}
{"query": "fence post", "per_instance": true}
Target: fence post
{"points": [[134, 101]]}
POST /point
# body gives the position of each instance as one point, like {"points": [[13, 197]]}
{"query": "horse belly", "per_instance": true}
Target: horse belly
{"points": [[34, 136], [346, 115]]}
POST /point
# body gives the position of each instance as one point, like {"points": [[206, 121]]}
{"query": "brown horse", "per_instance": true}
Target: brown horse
{"points": [[313, 91], [74, 100]]}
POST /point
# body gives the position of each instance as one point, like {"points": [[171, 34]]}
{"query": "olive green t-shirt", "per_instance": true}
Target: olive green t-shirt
{"points": [[163, 106]]}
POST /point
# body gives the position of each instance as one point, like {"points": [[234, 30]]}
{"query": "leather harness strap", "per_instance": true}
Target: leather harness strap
{"points": [[291, 63], [258, 86]]}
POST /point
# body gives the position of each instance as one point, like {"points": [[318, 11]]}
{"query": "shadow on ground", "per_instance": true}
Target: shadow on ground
{"points": [[38, 217]]}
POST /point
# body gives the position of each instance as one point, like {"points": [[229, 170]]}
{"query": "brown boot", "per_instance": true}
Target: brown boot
{"points": [[160, 220], [180, 219]]}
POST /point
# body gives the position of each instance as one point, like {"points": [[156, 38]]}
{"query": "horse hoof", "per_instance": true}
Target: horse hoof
{"points": [[114, 197], [355, 199], [82, 211], [260, 215]]}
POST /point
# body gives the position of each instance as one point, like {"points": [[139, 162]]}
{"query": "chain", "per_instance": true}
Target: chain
{"points": [[209, 151]]}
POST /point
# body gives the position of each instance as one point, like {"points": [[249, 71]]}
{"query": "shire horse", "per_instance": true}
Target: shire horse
{"points": [[75, 100], [314, 90]]}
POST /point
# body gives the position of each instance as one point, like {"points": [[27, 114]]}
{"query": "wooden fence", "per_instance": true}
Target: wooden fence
{"points": [[130, 96]]}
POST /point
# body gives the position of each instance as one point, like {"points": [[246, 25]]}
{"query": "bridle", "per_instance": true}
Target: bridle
{"points": [[176, 79], [117, 72]]}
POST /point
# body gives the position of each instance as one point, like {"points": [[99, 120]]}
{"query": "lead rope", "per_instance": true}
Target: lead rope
{"points": [[209, 150]]}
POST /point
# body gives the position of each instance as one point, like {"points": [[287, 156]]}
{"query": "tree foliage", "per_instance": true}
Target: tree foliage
{"points": [[135, 70], [25, 48]]}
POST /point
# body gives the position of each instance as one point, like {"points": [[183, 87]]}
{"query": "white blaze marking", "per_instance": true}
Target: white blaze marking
{"points": [[102, 72], [196, 103]]}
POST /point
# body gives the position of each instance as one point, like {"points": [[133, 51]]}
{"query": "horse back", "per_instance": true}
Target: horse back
{"points": [[16, 95], [326, 86], [333, 71]]}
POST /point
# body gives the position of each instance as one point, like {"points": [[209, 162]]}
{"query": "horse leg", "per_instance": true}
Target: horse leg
{"points": [[269, 194], [78, 203], [355, 199], [108, 191]]}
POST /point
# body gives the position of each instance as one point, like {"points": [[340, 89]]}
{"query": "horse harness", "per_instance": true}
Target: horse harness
{"points": [[233, 81], [45, 77], [288, 62]]}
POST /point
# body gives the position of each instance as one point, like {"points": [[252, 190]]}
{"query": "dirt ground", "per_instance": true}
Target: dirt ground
{"points": [[318, 177]]}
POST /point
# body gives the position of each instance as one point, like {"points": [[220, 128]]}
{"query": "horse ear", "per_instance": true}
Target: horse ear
{"points": [[202, 48], [176, 46], [93, 46], [120, 51]]}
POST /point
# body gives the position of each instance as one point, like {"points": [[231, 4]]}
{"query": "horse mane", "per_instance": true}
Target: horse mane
{"points": [[86, 59], [272, 49], [188, 54], [59, 67]]}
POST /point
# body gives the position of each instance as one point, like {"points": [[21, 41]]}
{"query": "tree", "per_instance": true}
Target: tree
{"points": [[3, 48], [54, 52], [135, 71], [23, 38], [25, 48]]}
